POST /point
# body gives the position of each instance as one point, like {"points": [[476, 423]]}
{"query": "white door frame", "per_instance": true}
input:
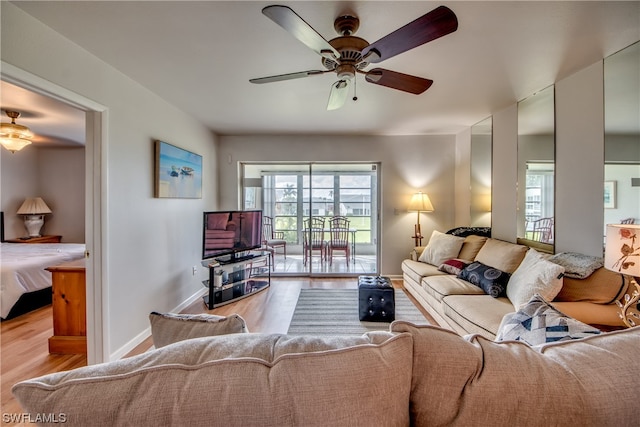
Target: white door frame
{"points": [[95, 202]]}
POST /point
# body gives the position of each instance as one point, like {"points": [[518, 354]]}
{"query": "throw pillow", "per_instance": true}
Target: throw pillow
{"points": [[453, 266], [535, 275], [492, 281], [471, 246], [538, 322], [169, 328], [440, 248], [502, 255]]}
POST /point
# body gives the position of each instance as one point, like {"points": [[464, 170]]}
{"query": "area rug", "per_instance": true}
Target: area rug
{"points": [[335, 312]]}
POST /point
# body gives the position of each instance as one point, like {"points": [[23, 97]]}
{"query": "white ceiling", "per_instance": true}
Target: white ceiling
{"points": [[200, 56]]}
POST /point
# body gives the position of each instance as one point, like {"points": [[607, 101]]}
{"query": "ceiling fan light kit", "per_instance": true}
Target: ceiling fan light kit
{"points": [[14, 137], [348, 55]]}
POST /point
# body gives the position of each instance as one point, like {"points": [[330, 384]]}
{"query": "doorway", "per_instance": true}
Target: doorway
{"points": [[95, 138], [295, 195]]}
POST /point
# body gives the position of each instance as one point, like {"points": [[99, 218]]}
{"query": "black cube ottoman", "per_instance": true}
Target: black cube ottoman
{"points": [[376, 302]]}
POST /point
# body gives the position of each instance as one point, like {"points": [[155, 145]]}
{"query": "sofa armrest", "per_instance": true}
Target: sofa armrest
{"points": [[415, 253]]}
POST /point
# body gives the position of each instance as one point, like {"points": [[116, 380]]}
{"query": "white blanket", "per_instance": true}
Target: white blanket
{"points": [[22, 268]]}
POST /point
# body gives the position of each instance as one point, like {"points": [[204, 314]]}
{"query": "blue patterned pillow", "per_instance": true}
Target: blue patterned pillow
{"points": [[538, 322], [492, 281]]}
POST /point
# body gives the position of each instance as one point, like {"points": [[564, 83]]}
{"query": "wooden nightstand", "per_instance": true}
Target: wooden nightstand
{"points": [[41, 239], [69, 308]]}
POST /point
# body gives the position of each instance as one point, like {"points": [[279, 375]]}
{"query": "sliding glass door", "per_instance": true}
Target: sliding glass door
{"points": [[295, 195]]}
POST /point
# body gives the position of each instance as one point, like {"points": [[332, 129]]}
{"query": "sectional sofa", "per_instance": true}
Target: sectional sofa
{"points": [[576, 285], [411, 375]]}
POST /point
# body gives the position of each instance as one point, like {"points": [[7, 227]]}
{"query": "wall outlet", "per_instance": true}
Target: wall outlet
{"points": [[194, 270]]}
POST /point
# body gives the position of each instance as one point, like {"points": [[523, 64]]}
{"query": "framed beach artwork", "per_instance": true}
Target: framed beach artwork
{"points": [[178, 172], [610, 194]]}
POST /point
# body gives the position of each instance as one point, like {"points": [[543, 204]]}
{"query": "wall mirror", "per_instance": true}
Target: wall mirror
{"points": [[622, 136], [480, 159], [536, 170]]}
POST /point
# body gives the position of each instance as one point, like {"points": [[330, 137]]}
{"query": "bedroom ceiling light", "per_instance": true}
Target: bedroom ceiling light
{"points": [[420, 202], [14, 137], [34, 210]]}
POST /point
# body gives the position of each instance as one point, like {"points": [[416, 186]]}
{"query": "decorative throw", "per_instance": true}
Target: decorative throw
{"points": [[537, 322], [468, 231], [576, 265], [492, 281]]}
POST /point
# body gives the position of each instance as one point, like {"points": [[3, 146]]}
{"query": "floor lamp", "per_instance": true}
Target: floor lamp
{"points": [[419, 203]]}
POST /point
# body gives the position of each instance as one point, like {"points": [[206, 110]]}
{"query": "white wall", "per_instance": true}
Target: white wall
{"points": [[149, 244], [408, 164]]}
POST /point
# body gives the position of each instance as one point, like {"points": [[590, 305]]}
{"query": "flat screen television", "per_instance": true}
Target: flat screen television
{"points": [[227, 233]]}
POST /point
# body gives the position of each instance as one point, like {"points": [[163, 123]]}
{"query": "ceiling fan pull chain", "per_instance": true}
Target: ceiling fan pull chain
{"points": [[355, 94]]}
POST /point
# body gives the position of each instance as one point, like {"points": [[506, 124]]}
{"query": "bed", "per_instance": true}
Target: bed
{"points": [[22, 270]]}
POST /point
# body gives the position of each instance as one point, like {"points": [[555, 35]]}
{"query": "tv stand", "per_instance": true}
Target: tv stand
{"points": [[236, 278]]}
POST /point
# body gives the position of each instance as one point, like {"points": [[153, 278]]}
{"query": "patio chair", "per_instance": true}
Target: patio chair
{"points": [[339, 238], [314, 238], [543, 230], [272, 239]]}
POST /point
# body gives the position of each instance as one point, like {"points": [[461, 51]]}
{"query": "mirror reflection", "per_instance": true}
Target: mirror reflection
{"points": [[481, 140], [622, 136], [536, 169]]}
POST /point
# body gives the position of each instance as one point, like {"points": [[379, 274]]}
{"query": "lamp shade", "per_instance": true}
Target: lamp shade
{"points": [[420, 203], [622, 249], [34, 206]]}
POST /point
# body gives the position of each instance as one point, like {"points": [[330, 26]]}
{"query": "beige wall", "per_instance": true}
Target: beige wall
{"points": [[149, 245], [56, 175], [409, 164]]}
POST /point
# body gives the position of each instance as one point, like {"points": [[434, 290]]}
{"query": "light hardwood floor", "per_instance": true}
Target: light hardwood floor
{"points": [[24, 350]]}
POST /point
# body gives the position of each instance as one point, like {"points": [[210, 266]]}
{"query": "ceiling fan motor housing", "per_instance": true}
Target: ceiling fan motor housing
{"points": [[350, 49]]}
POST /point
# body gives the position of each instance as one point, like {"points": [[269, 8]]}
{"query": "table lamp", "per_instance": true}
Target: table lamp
{"points": [[34, 210], [622, 255], [419, 203]]}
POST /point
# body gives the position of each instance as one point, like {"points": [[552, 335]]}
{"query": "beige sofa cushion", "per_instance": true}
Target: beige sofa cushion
{"points": [[477, 314], [471, 246], [239, 379], [441, 286], [475, 381], [167, 328], [504, 256], [417, 270]]}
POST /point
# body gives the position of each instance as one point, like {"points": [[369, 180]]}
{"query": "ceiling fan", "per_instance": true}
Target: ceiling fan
{"points": [[348, 55]]}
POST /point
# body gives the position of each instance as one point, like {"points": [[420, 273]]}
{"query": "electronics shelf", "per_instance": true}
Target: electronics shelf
{"points": [[230, 280]]}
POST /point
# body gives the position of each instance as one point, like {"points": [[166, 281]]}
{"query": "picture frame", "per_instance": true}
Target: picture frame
{"points": [[610, 194], [178, 172]]}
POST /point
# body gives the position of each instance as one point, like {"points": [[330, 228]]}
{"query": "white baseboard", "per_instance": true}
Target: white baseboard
{"points": [[138, 339]]}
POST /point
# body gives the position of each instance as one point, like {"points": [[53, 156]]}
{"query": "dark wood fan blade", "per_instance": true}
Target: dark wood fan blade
{"points": [[400, 81], [300, 29], [289, 76], [437, 23]]}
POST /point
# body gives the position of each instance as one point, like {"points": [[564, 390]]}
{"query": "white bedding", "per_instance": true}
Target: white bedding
{"points": [[22, 268]]}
